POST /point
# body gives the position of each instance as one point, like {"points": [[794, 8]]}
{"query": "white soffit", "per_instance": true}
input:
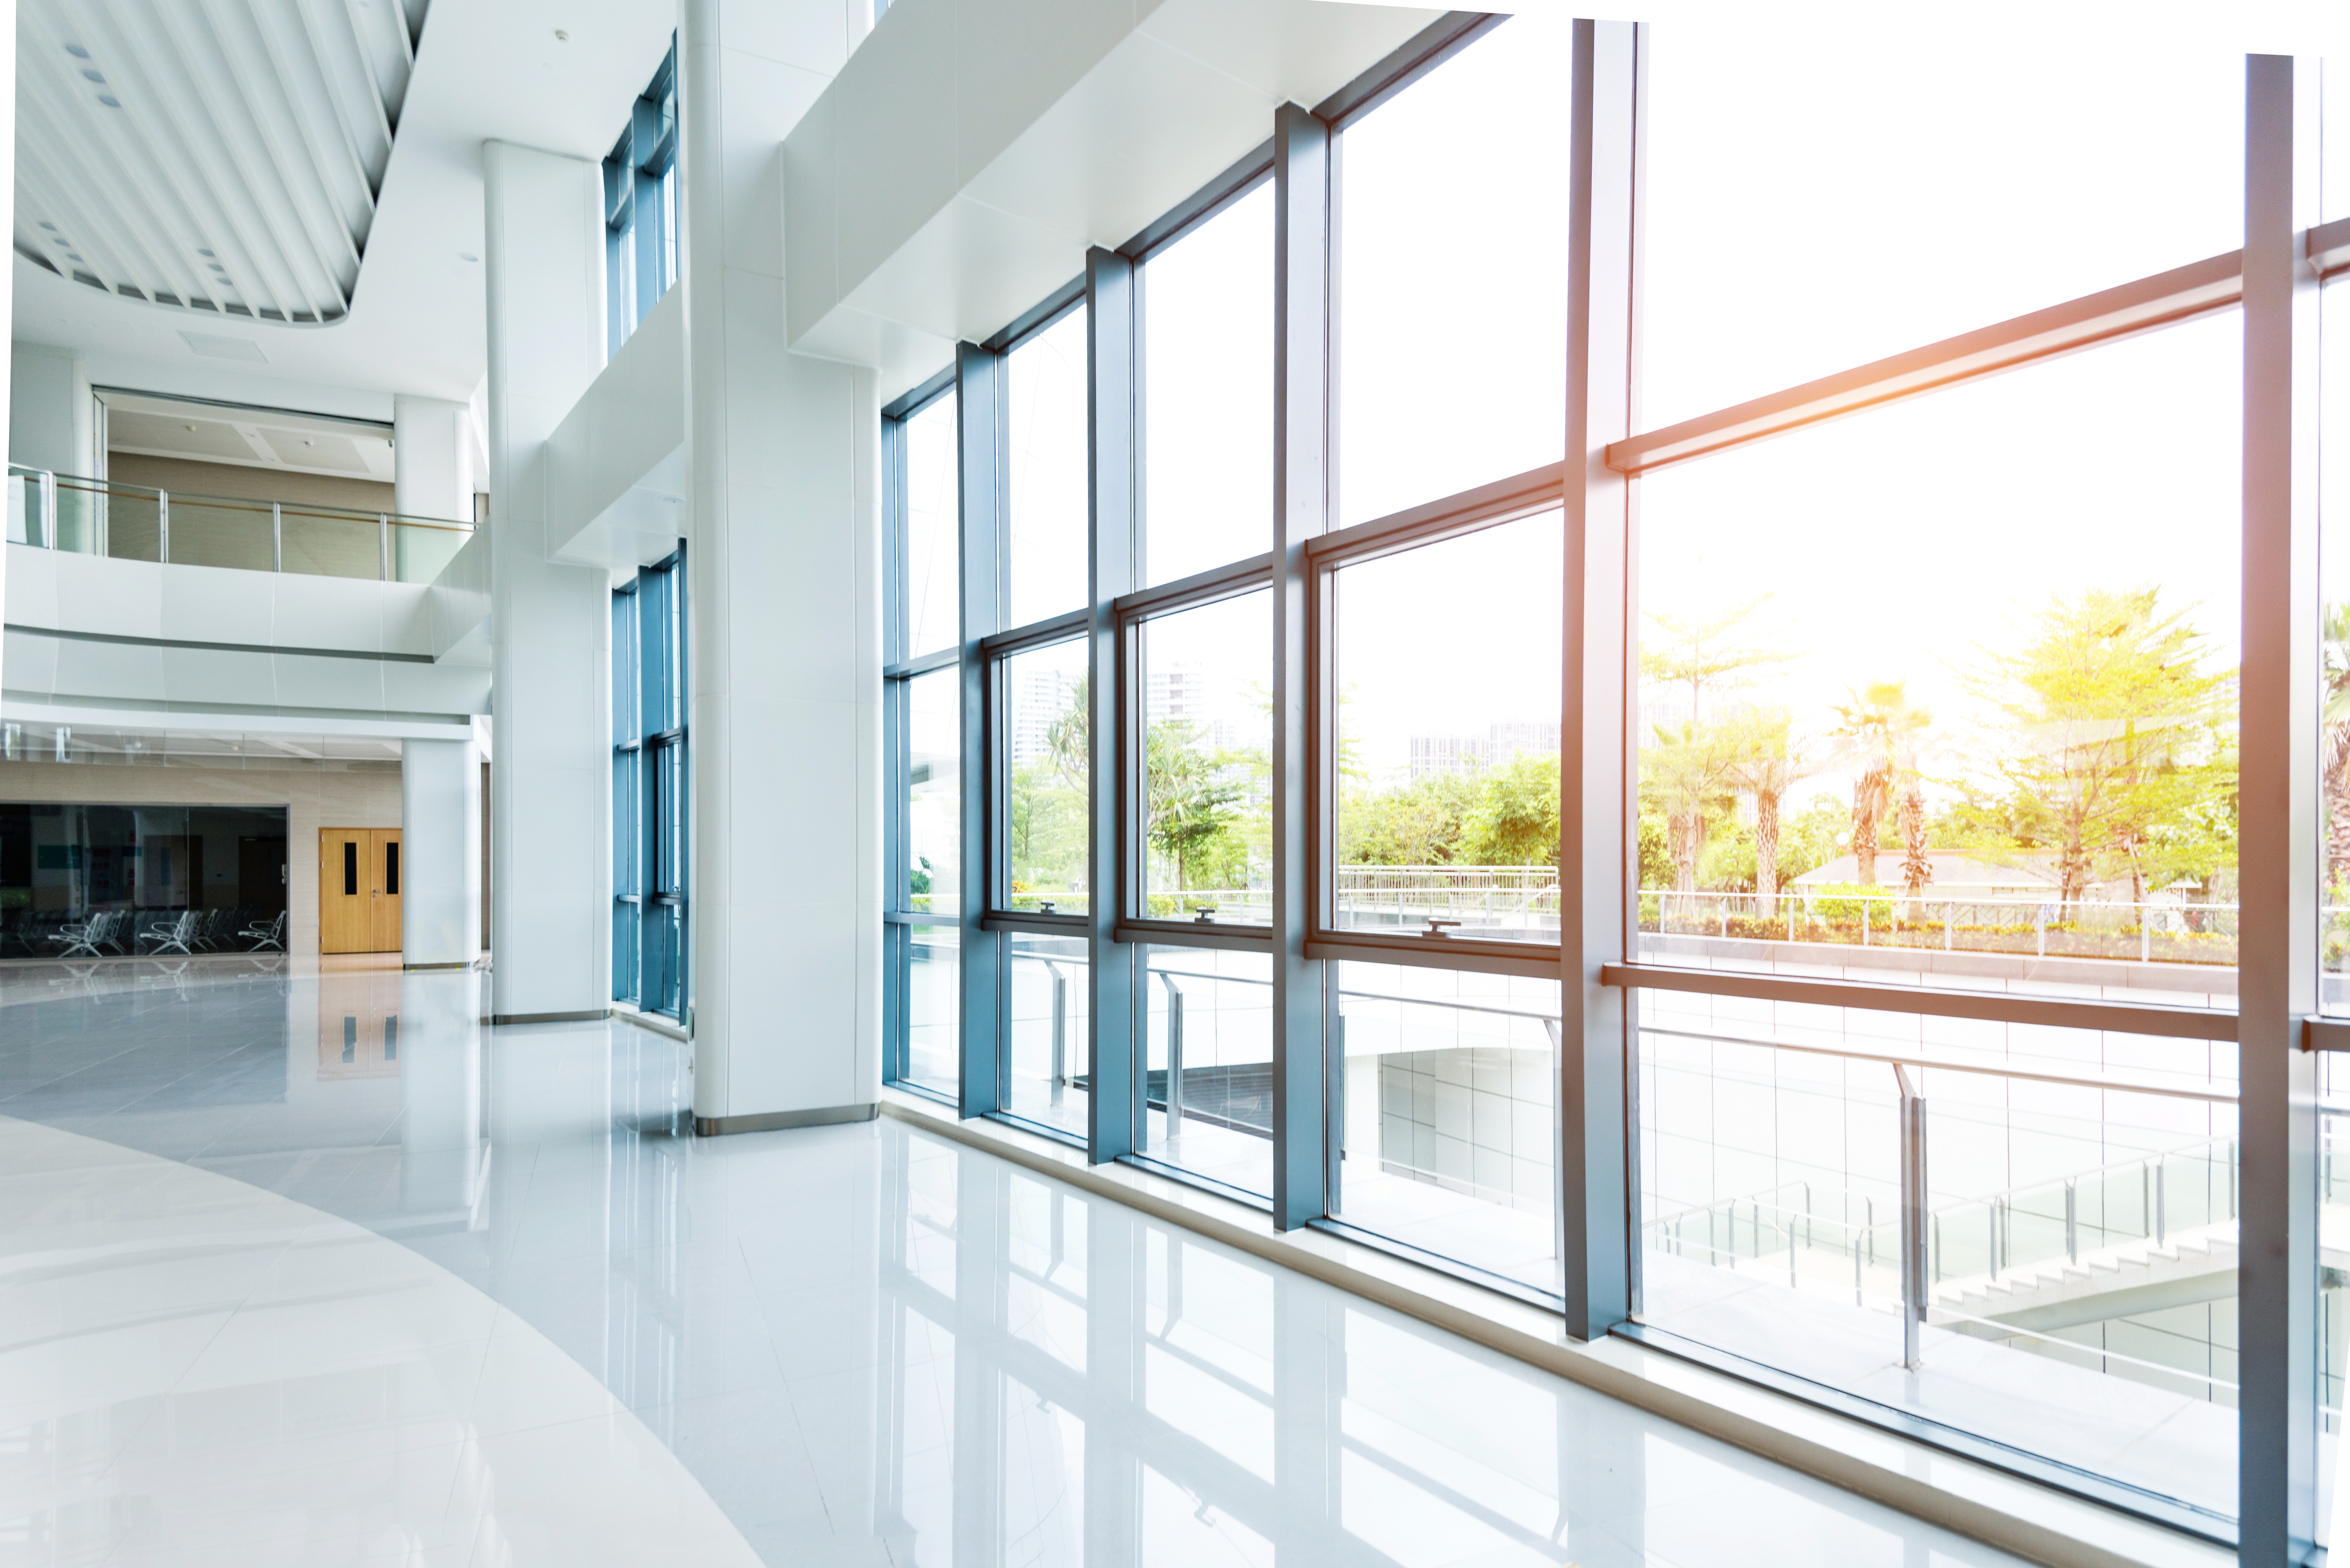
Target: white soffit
{"points": [[917, 211], [221, 158]]}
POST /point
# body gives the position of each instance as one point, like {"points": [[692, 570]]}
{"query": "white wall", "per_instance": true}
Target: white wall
{"points": [[550, 623], [785, 561]]}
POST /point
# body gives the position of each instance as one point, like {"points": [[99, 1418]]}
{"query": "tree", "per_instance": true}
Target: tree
{"points": [[1513, 820], [1764, 758], [1188, 798], [2334, 748], [1687, 768], [1882, 726], [2117, 728]]}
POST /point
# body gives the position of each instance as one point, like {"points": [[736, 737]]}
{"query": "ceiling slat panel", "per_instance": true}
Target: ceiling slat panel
{"points": [[225, 154]]}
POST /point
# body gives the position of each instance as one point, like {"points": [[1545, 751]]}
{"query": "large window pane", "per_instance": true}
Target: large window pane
{"points": [[931, 990], [934, 868], [1208, 392], [1448, 681], [933, 504], [2334, 715], [1207, 1056], [1927, 699], [1047, 430], [1207, 766], [1444, 1109], [2080, 1241], [1452, 295], [1894, 184], [1044, 996], [1045, 755]]}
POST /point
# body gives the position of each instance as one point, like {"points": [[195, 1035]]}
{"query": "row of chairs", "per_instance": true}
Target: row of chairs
{"points": [[187, 931]]}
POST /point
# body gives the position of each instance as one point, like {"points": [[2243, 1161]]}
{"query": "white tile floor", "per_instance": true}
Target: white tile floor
{"points": [[847, 1346]]}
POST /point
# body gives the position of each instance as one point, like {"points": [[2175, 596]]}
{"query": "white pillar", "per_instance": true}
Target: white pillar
{"points": [[784, 718], [52, 415], [439, 853], [550, 624], [432, 458]]}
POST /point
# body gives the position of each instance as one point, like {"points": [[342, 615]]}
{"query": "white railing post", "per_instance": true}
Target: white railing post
{"points": [[383, 547], [163, 527], [1913, 1214], [276, 538]]}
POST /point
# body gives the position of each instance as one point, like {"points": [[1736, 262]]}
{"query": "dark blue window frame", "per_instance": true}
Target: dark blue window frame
{"points": [[650, 781]]}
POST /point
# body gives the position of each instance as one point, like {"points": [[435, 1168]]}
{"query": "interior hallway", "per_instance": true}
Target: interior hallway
{"points": [[599, 1340]]}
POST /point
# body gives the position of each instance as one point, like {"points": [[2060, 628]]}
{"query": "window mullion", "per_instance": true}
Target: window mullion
{"points": [[1114, 1101], [981, 454]]}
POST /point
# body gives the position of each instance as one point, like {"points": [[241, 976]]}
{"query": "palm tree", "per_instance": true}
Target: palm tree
{"points": [[1765, 759], [1883, 727]]}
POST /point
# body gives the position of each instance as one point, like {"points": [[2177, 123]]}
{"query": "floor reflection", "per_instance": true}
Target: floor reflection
{"points": [[874, 1346]]}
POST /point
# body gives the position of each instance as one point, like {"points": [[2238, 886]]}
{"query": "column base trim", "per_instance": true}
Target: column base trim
{"points": [[422, 968], [778, 1121], [584, 1016]]}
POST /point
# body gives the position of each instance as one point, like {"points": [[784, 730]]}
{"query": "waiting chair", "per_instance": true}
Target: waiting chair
{"points": [[265, 935], [85, 937], [173, 935]]}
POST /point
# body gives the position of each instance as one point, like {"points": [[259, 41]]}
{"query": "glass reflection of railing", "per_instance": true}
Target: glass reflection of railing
{"points": [[2151, 931], [131, 522]]}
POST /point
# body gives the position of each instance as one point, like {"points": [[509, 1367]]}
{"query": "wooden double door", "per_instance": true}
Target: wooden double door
{"points": [[358, 889]]}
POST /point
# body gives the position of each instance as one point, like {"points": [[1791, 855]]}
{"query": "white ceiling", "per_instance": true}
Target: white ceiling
{"points": [[484, 70], [249, 438]]}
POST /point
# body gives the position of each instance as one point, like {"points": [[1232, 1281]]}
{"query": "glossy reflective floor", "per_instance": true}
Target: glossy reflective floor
{"points": [[856, 1344]]}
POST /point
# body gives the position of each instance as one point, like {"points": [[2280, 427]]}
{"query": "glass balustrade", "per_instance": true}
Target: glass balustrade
{"points": [[133, 523]]}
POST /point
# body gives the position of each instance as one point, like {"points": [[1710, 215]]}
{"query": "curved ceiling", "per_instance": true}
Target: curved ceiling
{"points": [[222, 157]]}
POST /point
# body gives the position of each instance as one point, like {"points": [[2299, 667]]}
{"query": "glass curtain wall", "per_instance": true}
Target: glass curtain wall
{"points": [[1777, 889], [649, 789], [108, 881]]}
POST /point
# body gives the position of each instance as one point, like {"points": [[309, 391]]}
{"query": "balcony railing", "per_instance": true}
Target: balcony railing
{"points": [[133, 523]]}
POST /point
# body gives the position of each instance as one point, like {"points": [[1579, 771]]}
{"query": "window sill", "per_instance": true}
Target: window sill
{"points": [[1972, 1499]]}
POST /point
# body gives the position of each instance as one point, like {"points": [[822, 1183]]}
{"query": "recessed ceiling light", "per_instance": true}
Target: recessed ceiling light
{"points": [[51, 227], [93, 77], [70, 256], [76, 51], [109, 100], [561, 37], [467, 256], [216, 266], [189, 429], [203, 252], [61, 239], [305, 441]]}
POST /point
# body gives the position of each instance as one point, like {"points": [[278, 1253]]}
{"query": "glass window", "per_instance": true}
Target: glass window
{"points": [[1901, 704], [1045, 754], [649, 790], [2333, 737], [1989, 181], [1449, 660], [1047, 428], [1207, 764], [929, 997], [933, 501], [1208, 1064], [1452, 282], [1443, 1104], [2079, 1241], [1045, 990], [1208, 392], [934, 868]]}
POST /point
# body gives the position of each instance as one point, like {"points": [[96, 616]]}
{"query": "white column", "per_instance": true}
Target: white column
{"points": [[785, 560], [52, 417], [550, 623], [439, 853], [432, 458]]}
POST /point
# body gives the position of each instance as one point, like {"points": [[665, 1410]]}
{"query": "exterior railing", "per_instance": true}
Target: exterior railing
{"points": [[132, 523], [2149, 932]]}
